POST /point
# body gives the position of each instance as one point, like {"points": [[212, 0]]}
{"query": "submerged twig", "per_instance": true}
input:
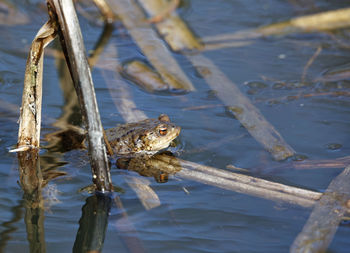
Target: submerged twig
{"points": [[227, 91], [165, 12], [242, 108], [173, 29], [323, 222], [315, 164], [144, 76], [324, 21], [309, 63], [328, 20]]}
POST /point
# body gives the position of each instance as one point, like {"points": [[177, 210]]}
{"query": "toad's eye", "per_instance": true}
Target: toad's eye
{"points": [[163, 131]]}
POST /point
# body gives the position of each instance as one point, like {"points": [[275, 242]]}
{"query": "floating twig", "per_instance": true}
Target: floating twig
{"points": [[323, 222], [241, 107]]}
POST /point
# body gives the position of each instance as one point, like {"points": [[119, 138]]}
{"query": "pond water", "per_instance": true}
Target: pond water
{"points": [[192, 216]]}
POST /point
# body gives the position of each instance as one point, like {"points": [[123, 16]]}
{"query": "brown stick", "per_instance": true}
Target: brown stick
{"points": [[30, 115], [323, 222]]}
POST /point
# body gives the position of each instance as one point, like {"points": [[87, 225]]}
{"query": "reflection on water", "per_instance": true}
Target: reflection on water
{"points": [[150, 166], [311, 111]]}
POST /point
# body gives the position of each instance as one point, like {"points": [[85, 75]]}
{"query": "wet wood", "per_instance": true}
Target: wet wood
{"points": [[144, 76], [329, 20], [335, 74], [245, 184], [144, 192], [323, 222], [171, 27], [164, 13], [153, 48], [241, 107], [162, 165], [227, 91], [340, 162], [30, 113], [118, 88], [73, 47], [324, 21]]}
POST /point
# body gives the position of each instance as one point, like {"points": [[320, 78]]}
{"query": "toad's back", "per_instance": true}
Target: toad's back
{"points": [[146, 136]]}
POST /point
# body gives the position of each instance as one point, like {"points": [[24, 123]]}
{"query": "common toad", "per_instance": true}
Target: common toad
{"points": [[146, 136]]}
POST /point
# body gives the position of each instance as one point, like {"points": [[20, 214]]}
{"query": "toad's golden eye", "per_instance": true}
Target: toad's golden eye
{"points": [[163, 131]]}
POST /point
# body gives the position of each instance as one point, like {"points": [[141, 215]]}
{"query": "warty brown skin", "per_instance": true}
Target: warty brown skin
{"points": [[146, 136]]}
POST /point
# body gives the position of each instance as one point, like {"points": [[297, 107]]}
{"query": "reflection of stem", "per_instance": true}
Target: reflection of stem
{"points": [[5, 235], [106, 12], [34, 219], [93, 224], [31, 182], [101, 44]]}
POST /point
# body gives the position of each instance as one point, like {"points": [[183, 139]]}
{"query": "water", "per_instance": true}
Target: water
{"points": [[193, 217]]}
